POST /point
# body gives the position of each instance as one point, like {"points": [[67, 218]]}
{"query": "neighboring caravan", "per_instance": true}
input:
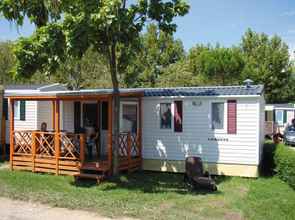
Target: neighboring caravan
{"points": [[160, 127], [277, 117]]}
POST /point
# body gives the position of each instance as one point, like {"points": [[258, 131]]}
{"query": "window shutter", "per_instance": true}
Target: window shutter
{"points": [[77, 117], [178, 116], [231, 116], [5, 108], [22, 115]]}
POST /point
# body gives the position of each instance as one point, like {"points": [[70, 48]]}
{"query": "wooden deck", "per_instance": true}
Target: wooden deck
{"points": [[64, 153]]}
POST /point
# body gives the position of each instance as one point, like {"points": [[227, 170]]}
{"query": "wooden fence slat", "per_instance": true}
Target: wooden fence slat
{"points": [[57, 152], [129, 149], [33, 150], [82, 148]]}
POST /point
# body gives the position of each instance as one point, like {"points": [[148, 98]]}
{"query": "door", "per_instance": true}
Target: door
{"points": [[90, 114]]}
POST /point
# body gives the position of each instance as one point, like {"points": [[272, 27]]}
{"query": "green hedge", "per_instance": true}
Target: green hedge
{"points": [[285, 164]]}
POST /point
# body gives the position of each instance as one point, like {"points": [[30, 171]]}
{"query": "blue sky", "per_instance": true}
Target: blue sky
{"points": [[212, 21]]}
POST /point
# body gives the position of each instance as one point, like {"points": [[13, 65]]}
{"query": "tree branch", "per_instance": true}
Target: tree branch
{"points": [[123, 4]]}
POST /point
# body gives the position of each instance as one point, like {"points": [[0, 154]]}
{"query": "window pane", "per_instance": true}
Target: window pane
{"points": [[165, 114], [217, 115], [279, 117], [16, 109], [129, 122]]}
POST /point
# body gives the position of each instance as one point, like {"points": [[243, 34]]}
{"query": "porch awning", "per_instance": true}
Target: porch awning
{"points": [[73, 94]]}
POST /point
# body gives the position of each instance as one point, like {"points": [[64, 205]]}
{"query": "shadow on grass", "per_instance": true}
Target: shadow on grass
{"points": [[267, 164], [149, 182]]}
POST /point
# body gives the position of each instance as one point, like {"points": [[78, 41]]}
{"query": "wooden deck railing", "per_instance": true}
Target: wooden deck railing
{"points": [[64, 153], [129, 151], [56, 152], [23, 142]]}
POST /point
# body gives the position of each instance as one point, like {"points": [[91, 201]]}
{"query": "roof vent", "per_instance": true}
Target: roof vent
{"points": [[248, 83]]}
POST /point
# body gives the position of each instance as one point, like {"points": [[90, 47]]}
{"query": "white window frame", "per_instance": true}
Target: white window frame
{"points": [[17, 110], [224, 129]]}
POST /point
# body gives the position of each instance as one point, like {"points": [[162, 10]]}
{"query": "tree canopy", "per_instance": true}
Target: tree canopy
{"points": [[268, 62], [157, 59], [67, 29]]}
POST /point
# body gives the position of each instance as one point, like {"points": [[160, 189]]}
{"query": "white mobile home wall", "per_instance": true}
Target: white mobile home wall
{"points": [[30, 122], [232, 154]]}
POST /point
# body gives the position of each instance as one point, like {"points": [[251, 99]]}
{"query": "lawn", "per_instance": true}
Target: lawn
{"points": [[156, 196]]}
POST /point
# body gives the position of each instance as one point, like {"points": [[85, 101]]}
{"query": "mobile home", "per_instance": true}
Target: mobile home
{"points": [[159, 128], [277, 117]]}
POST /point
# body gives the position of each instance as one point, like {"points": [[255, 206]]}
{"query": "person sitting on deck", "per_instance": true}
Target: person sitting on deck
{"points": [[91, 139], [43, 127], [46, 138]]}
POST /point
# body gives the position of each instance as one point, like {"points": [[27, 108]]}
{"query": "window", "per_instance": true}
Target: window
{"points": [[268, 115], [217, 115], [280, 117], [129, 118], [17, 110], [165, 115], [104, 115]]}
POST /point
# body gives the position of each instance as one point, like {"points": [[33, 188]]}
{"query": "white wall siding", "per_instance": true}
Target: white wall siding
{"points": [[262, 126], [66, 110], [45, 114], [240, 148], [29, 124]]}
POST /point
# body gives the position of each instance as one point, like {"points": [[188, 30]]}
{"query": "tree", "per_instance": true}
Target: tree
{"points": [[156, 51], [219, 64], [7, 61], [90, 71], [68, 28], [268, 62], [178, 74]]}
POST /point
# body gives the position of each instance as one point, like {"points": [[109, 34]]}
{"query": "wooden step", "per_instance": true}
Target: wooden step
{"points": [[97, 177], [95, 166]]}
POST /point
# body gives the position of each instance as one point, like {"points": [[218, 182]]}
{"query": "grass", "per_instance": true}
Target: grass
{"points": [[156, 196]]}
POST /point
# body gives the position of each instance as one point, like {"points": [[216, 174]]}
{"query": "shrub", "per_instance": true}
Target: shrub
{"points": [[267, 165], [285, 164]]}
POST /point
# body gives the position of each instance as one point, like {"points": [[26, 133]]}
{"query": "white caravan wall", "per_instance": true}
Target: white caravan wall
{"points": [[165, 144], [30, 122], [44, 114], [66, 116]]}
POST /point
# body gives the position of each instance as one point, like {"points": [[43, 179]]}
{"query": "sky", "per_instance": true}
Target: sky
{"points": [[212, 21]]}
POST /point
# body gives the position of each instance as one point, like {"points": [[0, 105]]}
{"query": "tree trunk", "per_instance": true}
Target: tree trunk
{"points": [[116, 105]]}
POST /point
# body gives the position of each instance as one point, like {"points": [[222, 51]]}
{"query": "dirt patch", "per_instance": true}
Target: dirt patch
{"points": [[4, 165], [233, 216], [19, 210]]}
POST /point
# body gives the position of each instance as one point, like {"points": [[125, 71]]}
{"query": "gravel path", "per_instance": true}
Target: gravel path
{"points": [[19, 210]]}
